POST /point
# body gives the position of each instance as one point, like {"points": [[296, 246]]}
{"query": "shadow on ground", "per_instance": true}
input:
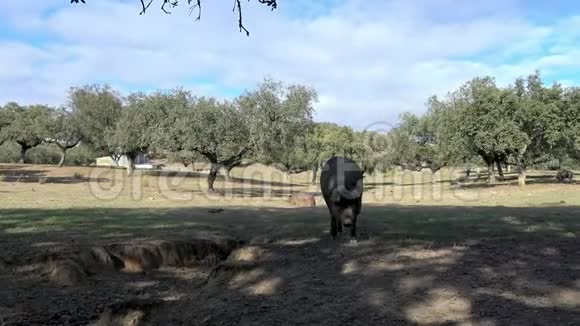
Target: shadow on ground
{"points": [[219, 177], [511, 179], [437, 265], [21, 175]]}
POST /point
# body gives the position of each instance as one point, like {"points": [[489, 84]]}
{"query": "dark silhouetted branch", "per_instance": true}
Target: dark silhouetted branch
{"points": [[173, 5], [240, 23], [145, 6], [196, 4]]}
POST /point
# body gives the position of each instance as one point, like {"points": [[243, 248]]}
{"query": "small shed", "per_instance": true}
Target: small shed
{"points": [[141, 159]]}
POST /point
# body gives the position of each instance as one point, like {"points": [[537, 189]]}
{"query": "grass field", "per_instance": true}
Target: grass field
{"points": [[432, 251]]}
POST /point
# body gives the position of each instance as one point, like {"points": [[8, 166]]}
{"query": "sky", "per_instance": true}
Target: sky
{"points": [[368, 60]]}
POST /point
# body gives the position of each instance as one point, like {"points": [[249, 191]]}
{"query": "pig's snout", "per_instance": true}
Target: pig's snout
{"points": [[348, 217], [347, 221]]}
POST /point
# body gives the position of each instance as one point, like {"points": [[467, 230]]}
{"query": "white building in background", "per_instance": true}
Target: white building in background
{"points": [[141, 162]]}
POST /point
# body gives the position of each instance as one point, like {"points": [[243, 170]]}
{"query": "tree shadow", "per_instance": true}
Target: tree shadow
{"points": [[435, 265], [508, 181], [255, 192], [531, 179], [54, 180], [263, 182], [476, 185], [219, 177], [378, 184], [18, 174]]}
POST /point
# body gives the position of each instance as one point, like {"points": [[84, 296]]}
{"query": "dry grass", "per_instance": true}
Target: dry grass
{"points": [[258, 186]]}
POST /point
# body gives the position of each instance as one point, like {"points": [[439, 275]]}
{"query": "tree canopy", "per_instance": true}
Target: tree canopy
{"points": [[97, 109], [523, 124], [28, 126], [219, 133], [64, 131], [137, 129], [278, 117]]}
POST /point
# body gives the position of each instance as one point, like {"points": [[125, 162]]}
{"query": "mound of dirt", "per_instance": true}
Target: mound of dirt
{"points": [[302, 200], [129, 313], [67, 273], [99, 259], [74, 268], [181, 253], [241, 261]]}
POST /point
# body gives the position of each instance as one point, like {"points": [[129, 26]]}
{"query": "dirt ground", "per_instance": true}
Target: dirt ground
{"points": [[158, 252]]}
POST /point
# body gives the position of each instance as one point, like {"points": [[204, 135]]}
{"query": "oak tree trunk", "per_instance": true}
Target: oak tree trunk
{"points": [[500, 170], [62, 157], [521, 175], [23, 150], [212, 176], [521, 167], [130, 165], [227, 170], [314, 174], [491, 173]]}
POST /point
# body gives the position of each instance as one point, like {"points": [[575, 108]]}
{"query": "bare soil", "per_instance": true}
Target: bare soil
{"points": [[529, 281], [164, 262]]}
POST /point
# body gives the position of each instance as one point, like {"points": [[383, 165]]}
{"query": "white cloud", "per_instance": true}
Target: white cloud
{"points": [[369, 61]]}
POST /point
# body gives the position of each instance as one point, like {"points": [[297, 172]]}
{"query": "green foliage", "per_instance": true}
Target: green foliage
{"points": [[46, 153], [172, 109], [138, 127], [417, 141], [524, 124], [9, 152], [568, 145], [321, 142], [4, 122], [135, 128], [375, 151], [28, 126], [217, 131], [278, 117], [64, 131], [96, 109], [185, 157], [81, 155], [482, 123], [43, 154], [63, 128]]}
